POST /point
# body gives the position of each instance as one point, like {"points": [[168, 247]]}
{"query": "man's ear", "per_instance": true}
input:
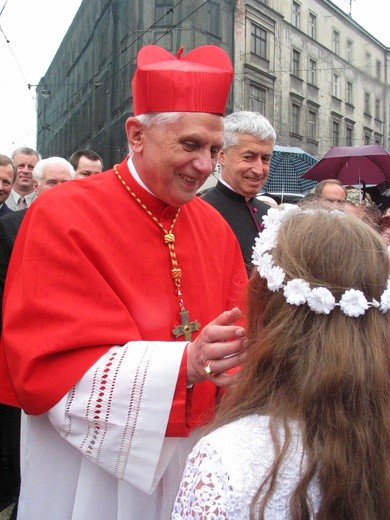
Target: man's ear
{"points": [[221, 157], [135, 134]]}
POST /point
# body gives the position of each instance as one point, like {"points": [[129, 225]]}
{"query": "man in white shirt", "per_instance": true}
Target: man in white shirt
{"points": [[23, 191]]}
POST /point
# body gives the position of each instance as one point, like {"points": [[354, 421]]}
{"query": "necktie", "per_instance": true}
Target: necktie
{"points": [[22, 203]]}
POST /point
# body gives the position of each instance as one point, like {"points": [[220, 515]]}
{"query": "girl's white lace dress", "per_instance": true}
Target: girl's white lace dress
{"points": [[226, 467]]}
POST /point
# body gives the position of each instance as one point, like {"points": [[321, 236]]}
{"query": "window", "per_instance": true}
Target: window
{"points": [[349, 136], [296, 60], [378, 69], [336, 41], [336, 85], [295, 118], [214, 18], [164, 12], [335, 133], [367, 103], [258, 41], [257, 99], [296, 15], [312, 26], [378, 109], [349, 91], [367, 137], [348, 52], [312, 73], [368, 63], [312, 125]]}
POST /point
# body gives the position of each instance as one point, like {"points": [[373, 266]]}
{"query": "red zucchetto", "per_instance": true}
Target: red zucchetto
{"points": [[196, 82]]}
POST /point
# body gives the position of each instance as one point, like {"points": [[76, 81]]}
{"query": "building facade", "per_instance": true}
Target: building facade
{"points": [[320, 78]]}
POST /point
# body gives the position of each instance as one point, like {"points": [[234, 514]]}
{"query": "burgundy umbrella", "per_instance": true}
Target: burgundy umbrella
{"points": [[352, 165]]}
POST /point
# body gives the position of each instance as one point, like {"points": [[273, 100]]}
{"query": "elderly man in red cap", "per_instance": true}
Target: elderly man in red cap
{"points": [[121, 319]]}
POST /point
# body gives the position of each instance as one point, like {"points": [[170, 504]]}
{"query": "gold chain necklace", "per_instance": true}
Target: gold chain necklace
{"points": [[187, 327]]}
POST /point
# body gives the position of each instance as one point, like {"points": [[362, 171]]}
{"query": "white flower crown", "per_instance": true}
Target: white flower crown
{"points": [[353, 302]]}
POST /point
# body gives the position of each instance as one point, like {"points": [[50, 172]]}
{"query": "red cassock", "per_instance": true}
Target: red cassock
{"points": [[90, 270]]}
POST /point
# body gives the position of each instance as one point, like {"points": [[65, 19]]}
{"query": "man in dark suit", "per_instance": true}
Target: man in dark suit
{"points": [[244, 161], [9, 227], [9, 417], [47, 174], [7, 179]]}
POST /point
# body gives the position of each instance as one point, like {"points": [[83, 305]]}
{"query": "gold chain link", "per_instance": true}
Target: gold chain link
{"points": [[168, 236]]}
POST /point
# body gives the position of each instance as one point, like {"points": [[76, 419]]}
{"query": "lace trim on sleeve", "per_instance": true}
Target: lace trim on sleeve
{"points": [[205, 492]]}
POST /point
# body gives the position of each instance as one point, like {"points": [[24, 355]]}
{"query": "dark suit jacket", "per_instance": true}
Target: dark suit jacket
{"points": [[4, 209], [244, 217], [9, 416], [9, 227]]}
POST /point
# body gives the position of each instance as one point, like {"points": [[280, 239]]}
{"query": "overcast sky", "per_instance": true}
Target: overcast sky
{"points": [[34, 30]]}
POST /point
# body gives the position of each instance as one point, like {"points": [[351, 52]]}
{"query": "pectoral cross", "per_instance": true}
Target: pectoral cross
{"points": [[187, 327]]}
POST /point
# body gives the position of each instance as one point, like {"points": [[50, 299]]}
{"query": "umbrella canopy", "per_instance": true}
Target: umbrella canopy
{"points": [[288, 164], [368, 164]]}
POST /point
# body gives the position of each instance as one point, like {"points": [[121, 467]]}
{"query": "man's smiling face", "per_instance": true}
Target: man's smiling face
{"points": [[175, 159], [245, 166]]}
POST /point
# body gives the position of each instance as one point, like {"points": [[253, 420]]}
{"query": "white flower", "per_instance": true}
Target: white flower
{"points": [[272, 218], [290, 209], [257, 251], [321, 300], [296, 291], [262, 245], [268, 239], [353, 303], [385, 301], [266, 262], [275, 278]]}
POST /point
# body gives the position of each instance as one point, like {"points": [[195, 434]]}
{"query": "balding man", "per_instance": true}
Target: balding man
{"points": [[332, 190]]}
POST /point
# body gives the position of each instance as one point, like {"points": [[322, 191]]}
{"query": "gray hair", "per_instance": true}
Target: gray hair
{"points": [[24, 150], [155, 118], [51, 161], [158, 118], [246, 122]]}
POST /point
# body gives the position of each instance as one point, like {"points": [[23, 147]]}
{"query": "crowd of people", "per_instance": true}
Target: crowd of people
{"points": [[173, 353]]}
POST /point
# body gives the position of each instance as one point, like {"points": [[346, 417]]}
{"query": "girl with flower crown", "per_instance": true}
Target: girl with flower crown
{"points": [[305, 433]]}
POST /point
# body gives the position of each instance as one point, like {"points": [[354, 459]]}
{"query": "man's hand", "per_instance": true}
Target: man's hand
{"points": [[219, 347]]}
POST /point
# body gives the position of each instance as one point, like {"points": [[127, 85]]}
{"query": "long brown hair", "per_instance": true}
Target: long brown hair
{"points": [[330, 372]]}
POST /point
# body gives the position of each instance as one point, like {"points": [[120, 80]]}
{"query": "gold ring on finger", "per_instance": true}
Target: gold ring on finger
{"points": [[208, 370]]}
